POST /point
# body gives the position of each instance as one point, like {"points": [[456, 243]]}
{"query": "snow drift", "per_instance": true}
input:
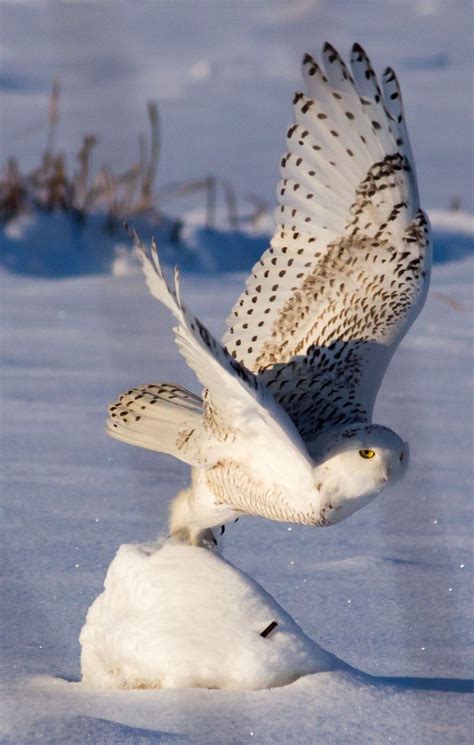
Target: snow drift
{"points": [[178, 616]]}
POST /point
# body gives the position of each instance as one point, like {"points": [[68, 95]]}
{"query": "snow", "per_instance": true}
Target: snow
{"points": [[454, 222], [388, 591], [177, 616]]}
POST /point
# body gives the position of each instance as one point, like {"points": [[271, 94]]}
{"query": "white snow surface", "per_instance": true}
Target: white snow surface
{"points": [[388, 591], [177, 616]]}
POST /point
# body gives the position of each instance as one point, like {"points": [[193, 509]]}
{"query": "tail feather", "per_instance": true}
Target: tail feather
{"points": [[163, 417]]}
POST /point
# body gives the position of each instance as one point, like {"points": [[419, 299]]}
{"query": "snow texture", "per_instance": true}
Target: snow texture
{"points": [[179, 616], [390, 590]]}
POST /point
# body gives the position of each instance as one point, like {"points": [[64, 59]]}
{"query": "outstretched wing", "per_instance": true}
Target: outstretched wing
{"points": [[348, 266], [236, 405]]}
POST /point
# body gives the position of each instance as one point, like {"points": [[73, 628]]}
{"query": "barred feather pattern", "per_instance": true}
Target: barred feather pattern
{"points": [[234, 404], [340, 353], [347, 269], [159, 416], [253, 497]]}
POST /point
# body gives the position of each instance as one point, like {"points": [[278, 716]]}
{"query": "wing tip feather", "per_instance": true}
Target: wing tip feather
{"points": [[358, 49], [328, 47]]}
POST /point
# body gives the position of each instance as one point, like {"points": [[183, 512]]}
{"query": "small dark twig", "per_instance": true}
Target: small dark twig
{"points": [[81, 178], [53, 116], [150, 173], [455, 204], [261, 209], [210, 201], [268, 630], [231, 204]]}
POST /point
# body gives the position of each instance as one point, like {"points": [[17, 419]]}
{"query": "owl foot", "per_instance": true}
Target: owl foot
{"points": [[193, 537]]}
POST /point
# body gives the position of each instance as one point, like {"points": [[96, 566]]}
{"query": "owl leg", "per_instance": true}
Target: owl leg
{"points": [[194, 512], [202, 538], [182, 525]]}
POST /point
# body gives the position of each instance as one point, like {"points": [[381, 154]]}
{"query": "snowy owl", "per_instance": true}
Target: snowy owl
{"points": [[284, 426]]}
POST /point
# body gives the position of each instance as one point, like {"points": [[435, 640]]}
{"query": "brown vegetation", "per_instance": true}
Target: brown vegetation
{"points": [[120, 196]]}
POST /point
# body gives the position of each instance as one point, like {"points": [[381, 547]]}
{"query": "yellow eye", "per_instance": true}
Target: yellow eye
{"points": [[366, 453]]}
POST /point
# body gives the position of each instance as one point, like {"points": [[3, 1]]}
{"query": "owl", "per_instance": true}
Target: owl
{"points": [[283, 428]]}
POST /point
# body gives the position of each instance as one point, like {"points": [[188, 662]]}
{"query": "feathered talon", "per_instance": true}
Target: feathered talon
{"points": [[202, 538]]}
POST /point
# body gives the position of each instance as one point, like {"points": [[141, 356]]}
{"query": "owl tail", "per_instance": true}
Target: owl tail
{"points": [[162, 417]]}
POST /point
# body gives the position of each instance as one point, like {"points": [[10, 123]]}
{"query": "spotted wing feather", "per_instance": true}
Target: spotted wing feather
{"points": [[237, 407], [347, 269]]}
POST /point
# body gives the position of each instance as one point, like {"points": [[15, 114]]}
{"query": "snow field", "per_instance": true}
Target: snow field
{"points": [[390, 591]]}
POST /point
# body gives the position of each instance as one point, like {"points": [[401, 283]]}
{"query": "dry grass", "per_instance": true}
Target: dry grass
{"points": [[119, 196]]}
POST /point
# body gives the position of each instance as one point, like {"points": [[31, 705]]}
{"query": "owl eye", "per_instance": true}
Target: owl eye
{"points": [[366, 453]]}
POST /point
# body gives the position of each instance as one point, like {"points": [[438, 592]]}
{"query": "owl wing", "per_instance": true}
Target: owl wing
{"points": [[347, 269], [236, 406]]}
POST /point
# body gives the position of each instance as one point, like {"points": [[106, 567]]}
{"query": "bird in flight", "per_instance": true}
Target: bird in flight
{"points": [[283, 428]]}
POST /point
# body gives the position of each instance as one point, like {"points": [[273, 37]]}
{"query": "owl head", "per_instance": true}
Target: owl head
{"points": [[353, 465]]}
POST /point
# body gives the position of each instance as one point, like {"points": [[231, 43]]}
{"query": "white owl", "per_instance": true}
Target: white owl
{"points": [[284, 426]]}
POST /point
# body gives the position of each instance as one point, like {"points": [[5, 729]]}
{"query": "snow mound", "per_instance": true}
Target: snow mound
{"points": [[178, 616], [453, 221], [56, 245]]}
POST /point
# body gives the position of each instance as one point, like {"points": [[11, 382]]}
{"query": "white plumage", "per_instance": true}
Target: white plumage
{"points": [[284, 426]]}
